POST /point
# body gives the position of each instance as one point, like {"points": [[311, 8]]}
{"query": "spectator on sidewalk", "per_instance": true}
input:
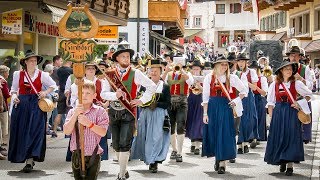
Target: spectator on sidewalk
{"points": [[4, 74]]}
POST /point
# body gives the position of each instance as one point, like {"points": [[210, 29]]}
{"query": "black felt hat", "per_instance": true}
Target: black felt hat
{"points": [[231, 56], [122, 49], [255, 65], [287, 63], [293, 50], [221, 59], [29, 54], [243, 56], [155, 63], [208, 64], [196, 63]]}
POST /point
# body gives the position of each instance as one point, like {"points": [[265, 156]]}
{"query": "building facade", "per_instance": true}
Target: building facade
{"points": [[222, 23], [284, 20]]}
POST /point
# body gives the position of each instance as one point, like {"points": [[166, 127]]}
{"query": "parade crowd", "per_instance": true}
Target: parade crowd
{"points": [[224, 104]]}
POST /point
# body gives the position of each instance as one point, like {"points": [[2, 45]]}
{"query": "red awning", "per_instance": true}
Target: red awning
{"points": [[198, 39]]}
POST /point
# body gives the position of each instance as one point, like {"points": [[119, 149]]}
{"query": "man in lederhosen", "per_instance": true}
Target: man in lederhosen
{"points": [[122, 122], [179, 82], [304, 75]]}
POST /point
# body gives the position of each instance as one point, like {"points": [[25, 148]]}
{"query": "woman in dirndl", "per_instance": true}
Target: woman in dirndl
{"points": [[151, 145], [219, 131], [285, 140], [194, 124], [248, 129], [27, 141], [260, 102]]}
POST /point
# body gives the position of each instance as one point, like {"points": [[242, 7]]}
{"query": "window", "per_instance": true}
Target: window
{"points": [[220, 8], [197, 21], [300, 25], [306, 24], [317, 20], [186, 22], [223, 38], [276, 19], [283, 21], [235, 8]]}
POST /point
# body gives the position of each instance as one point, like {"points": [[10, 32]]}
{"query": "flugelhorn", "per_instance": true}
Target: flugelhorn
{"points": [[267, 70]]}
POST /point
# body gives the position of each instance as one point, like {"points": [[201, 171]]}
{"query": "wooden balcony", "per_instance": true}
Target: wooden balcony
{"points": [[282, 5], [170, 13]]}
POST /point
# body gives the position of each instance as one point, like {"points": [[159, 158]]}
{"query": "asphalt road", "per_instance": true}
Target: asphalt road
{"points": [[247, 166]]}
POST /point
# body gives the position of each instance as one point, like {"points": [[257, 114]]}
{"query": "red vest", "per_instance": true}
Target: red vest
{"points": [[215, 89], [248, 76], [98, 90], [234, 93], [177, 87], [132, 87], [281, 96], [25, 88], [259, 86]]}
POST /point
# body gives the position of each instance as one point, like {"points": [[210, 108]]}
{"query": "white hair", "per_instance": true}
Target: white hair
{"points": [[49, 68]]}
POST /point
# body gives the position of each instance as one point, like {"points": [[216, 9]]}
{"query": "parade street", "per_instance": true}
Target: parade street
{"points": [[248, 166]]}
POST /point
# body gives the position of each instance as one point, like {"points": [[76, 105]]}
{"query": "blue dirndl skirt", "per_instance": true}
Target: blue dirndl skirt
{"points": [[261, 103], [194, 124], [248, 129], [152, 142], [27, 131], [285, 141], [219, 133]]}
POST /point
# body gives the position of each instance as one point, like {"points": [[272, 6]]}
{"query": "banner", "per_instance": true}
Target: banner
{"points": [[12, 22]]}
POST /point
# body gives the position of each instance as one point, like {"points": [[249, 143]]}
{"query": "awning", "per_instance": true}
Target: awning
{"points": [[279, 36], [191, 32], [198, 39], [57, 13], [170, 43], [313, 46]]}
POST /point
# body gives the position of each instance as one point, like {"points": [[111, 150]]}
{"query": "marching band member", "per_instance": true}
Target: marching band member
{"points": [[194, 124], [285, 141], [248, 129], [122, 120], [233, 70], [95, 119], [260, 102], [152, 142], [179, 82], [304, 75], [27, 142], [72, 89], [219, 132]]}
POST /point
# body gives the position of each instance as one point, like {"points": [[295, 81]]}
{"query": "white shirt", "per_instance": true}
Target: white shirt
{"points": [[74, 91], [234, 82], [264, 83], [300, 87], [46, 80], [189, 81], [253, 74], [308, 77], [139, 79]]}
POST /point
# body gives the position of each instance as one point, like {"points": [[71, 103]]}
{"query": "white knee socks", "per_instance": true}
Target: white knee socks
{"points": [[123, 162], [197, 144], [173, 140], [180, 138]]}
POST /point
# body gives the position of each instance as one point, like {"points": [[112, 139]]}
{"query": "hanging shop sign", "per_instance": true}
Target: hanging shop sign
{"points": [[107, 32], [77, 50], [12, 22]]}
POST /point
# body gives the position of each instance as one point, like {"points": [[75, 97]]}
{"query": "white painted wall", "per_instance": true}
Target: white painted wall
{"points": [[221, 22]]}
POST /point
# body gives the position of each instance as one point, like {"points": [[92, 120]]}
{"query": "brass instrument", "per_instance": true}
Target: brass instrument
{"points": [[267, 70], [196, 89]]}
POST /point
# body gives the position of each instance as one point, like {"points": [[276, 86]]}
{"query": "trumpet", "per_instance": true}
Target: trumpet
{"points": [[267, 71]]}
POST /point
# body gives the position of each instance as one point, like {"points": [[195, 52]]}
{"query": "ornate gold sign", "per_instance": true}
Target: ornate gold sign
{"points": [[78, 22], [77, 50]]}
